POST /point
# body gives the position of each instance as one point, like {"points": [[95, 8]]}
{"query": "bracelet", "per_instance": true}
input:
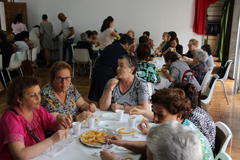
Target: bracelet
{"points": [[123, 107], [115, 158]]}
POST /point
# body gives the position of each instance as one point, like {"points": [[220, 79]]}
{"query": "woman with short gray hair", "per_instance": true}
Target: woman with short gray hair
{"points": [[200, 67], [172, 140], [127, 90]]}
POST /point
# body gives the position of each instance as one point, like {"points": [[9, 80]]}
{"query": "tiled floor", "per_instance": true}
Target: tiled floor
{"points": [[219, 110]]}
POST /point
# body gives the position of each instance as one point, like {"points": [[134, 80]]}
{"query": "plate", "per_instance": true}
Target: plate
{"points": [[127, 129], [109, 115], [124, 156], [66, 142], [107, 124], [99, 145]]}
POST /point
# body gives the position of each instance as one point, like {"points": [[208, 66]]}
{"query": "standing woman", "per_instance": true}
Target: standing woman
{"points": [[107, 33], [34, 36], [17, 24], [46, 29]]}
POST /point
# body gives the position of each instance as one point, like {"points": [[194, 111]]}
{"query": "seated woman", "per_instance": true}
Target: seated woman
{"points": [[24, 116], [164, 45], [210, 61], [84, 44], [131, 34], [11, 37], [174, 46], [19, 44], [132, 50], [150, 41], [201, 119], [192, 46], [146, 71], [60, 97], [127, 90], [200, 68], [169, 104], [93, 39], [27, 40]]}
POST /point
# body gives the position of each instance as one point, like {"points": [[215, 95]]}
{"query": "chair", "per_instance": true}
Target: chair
{"points": [[1, 68], [207, 95], [223, 136], [228, 66], [81, 56], [151, 91], [206, 79], [34, 57], [13, 64], [223, 156]]}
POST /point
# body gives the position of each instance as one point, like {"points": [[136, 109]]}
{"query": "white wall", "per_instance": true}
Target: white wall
{"points": [[156, 16]]}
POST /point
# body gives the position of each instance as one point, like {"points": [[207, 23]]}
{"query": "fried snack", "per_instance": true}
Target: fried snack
{"points": [[128, 158], [93, 136], [96, 120], [143, 120], [85, 122], [120, 131], [66, 133]]}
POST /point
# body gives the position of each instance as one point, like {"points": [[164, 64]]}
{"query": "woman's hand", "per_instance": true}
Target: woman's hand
{"points": [[85, 115], [65, 120], [163, 70], [116, 106], [114, 139], [113, 82], [107, 156], [144, 129], [92, 108], [58, 136], [136, 111]]}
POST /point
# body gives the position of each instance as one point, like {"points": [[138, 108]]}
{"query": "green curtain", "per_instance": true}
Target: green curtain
{"points": [[225, 32]]}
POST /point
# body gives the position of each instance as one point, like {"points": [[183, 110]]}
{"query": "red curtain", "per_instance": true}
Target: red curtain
{"points": [[200, 15]]}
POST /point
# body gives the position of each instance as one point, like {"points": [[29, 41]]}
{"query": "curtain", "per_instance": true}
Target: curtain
{"points": [[225, 31]]}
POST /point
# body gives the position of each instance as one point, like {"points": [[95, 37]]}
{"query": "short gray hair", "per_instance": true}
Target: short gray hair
{"points": [[83, 36], [201, 55], [172, 140], [131, 60]]}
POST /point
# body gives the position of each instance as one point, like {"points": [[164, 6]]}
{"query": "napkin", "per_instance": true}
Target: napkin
{"points": [[137, 135], [53, 151]]}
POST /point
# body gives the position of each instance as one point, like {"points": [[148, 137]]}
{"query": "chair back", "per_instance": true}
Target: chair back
{"points": [[223, 156], [13, 63], [73, 47], [151, 91], [34, 54], [228, 66], [206, 78], [81, 55], [1, 64], [223, 136]]}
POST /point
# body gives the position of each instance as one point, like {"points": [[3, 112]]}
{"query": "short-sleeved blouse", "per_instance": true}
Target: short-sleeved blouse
{"points": [[136, 93], [52, 104], [206, 148], [12, 128], [106, 38]]}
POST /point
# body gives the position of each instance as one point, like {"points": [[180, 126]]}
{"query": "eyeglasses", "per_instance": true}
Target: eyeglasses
{"points": [[189, 45], [60, 79]]}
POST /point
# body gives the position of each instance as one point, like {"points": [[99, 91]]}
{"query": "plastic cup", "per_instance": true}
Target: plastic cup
{"points": [[76, 127], [132, 121], [91, 123], [107, 148], [119, 114]]}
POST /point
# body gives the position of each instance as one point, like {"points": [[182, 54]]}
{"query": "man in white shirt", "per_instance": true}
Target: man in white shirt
{"points": [[68, 36]]}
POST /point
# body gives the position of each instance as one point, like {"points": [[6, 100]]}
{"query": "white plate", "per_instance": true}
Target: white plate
{"points": [[124, 156], [107, 124], [66, 142], [127, 129], [109, 115]]}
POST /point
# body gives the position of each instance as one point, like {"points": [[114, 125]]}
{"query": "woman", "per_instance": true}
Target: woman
{"points": [[210, 61], [19, 44], [24, 114], [17, 25], [147, 71], [126, 90], [175, 47], [192, 46], [34, 36], [107, 33], [27, 40], [46, 30], [11, 37], [60, 96], [169, 104], [131, 34], [132, 50], [200, 68], [164, 45], [201, 119]]}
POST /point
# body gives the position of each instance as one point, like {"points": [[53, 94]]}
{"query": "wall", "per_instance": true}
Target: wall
{"points": [[2, 14], [156, 16]]}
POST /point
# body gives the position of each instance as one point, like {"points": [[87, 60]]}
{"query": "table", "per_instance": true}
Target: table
{"points": [[78, 151]]}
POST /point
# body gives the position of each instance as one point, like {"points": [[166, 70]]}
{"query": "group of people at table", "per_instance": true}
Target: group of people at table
{"points": [[118, 82]]}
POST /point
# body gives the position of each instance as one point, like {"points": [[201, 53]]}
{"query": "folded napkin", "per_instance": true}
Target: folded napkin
{"points": [[53, 151]]}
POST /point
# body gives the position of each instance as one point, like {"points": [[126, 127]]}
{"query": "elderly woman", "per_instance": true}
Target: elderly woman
{"points": [[164, 45], [60, 97], [132, 50], [172, 140], [19, 44], [200, 118], [175, 47], [146, 71], [169, 104], [11, 37], [188, 57], [127, 90], [22, 125], [132, 34], [210, 61], [200, 67]]}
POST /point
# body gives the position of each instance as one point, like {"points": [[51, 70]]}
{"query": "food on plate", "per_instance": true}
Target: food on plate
{"points": [[143, 120], [66, 133], [121, 129], [96, 120], [93, 136]]}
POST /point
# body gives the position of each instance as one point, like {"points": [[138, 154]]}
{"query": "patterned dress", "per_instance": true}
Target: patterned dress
{"points": [[52, 104], [206, 148], [200, 71]]}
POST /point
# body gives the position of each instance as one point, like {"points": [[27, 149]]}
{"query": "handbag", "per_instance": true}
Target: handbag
{"points": [[27, 67], [188, 76]]}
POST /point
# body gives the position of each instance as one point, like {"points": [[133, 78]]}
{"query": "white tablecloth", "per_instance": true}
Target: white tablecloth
{"points": [[77, 150]]}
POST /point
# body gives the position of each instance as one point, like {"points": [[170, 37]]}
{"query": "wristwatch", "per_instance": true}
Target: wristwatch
{"points": [[123, 107]]}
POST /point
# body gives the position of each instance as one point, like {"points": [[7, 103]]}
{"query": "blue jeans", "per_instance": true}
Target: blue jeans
{"points": [[67, 45]]}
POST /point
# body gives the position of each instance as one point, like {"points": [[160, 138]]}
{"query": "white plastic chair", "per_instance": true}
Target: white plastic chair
{"points": [[228, 65], [207, 95], [13, 64], [206, 79], [223, 156], [151, 91], [223, 136], [34, 57], [81, 56], [1, 68]]}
